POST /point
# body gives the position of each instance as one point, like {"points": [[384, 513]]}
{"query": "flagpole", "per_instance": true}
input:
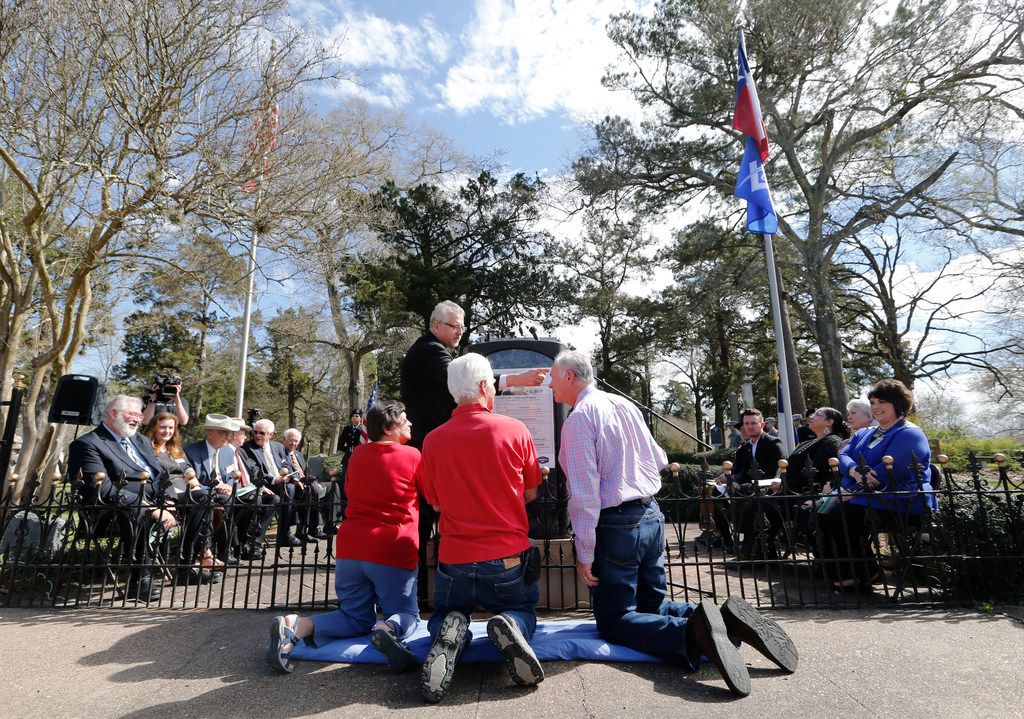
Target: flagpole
{"points": [[243, 360], [786, 429]]}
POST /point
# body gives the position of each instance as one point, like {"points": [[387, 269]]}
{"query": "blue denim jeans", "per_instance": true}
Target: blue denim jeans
{"points": [[630, 604], [361, 588], [488, 585]]}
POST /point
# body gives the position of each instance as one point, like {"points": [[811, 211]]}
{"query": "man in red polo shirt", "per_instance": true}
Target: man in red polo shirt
{"points": [[478, 470]]}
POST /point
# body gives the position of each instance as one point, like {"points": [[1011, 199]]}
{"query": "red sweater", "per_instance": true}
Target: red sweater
{"points": [[382, 519], [476, 468]]}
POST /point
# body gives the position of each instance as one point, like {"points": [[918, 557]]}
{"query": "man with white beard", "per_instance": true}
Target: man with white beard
{"points": [[116, 449]]}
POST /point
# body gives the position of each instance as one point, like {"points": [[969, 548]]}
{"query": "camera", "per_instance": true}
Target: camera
{"points": [[165, 384], [254, 414]]}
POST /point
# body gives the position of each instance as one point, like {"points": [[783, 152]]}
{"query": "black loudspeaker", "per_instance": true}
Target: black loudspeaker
{"points": [[78, 399]]}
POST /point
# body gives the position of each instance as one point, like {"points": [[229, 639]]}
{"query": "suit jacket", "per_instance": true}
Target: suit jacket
{"points": [[198, 454], [769, 452], [277, 452], [424, 388], [100, 451], [298, 458]]}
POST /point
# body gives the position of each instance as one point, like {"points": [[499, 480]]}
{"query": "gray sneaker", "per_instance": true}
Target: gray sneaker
{"points": [[523, 665], [439, 666]]}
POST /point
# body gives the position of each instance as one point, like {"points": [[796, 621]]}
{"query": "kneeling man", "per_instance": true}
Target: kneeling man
{"points": [[478, 470], [612, 465]]}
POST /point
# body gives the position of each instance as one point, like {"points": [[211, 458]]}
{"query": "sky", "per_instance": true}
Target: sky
{"points": [[516, 81]]}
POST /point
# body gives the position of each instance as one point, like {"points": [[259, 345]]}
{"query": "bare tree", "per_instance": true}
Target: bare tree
{"points": [[117, 116]]}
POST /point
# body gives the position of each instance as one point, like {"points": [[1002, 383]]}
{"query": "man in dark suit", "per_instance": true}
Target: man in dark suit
{"points": [[256, 507], [765, 451], [316, 497], [116, 449], [270, 457], [429, 404]]}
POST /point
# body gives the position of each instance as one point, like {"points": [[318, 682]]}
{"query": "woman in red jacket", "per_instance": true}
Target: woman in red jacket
{"points": [[377, 550]]}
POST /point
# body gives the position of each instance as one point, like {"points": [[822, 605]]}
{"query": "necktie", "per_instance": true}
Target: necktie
{"points": [[132, 454], [243, 475], [271, 465], [295, 463], [215, 465]]}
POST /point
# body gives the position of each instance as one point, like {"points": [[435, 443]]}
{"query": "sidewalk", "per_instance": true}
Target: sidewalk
{"points": [[177, 664]]}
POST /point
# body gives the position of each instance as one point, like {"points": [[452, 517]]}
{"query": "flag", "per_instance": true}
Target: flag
{"points": [[751, 182], [373, 396]]}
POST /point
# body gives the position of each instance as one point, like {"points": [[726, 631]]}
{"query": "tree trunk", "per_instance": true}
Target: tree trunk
{"points": [[827, 333], [335, 437]]}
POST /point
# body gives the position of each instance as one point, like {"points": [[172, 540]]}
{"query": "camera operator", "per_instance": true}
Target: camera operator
{"points": [[165, 396]]}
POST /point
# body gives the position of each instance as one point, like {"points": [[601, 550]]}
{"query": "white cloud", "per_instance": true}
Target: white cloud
{"points": [[368, 41], [528, 59]]}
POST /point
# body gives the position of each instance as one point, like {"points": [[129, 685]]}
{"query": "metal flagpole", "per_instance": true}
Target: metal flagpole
{"points": [[243, 360], [786, 411]]}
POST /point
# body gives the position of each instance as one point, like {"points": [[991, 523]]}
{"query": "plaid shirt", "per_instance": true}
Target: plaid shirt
{"points": [[609, 457]]}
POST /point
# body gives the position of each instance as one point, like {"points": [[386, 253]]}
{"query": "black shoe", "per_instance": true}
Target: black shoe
{"points": [[231, 559], [289, 540], [523, 666], [706, 635], [144, 590], [318, 535], [744, 623], [303, 537], [195, 575], [400, 657], [701, 542], [439, 666], [252, 553]]}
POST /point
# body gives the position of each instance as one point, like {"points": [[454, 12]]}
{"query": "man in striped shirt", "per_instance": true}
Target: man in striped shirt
{"points": [[612, 465]]}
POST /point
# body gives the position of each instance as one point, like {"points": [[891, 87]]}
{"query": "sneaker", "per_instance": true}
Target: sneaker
{"points": [[439, 666], [400, 657], [523, 665], [744, 623], [706, 635]]}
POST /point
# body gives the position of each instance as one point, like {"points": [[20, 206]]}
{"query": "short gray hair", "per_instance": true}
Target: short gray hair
{"points": [[859, 405], [292, 430], [264, 425], [465, 375], [122, 401], [445, 309], [578, 362]]}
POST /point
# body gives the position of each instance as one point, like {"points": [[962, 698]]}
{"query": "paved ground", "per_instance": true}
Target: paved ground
{"points": [[154, 664]]}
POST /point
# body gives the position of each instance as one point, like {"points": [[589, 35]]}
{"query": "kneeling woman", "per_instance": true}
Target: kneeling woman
{"points": [[377, 550]]}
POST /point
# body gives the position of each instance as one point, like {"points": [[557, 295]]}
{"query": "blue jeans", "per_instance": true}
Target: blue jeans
{"points": [[361, 588], [463, 587], [630, 604]]}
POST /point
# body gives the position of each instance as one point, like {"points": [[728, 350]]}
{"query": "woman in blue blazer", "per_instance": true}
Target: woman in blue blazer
{"points": [[846, 533]]}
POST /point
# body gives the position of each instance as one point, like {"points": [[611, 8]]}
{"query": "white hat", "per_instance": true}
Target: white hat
{"points": [[240, 424], [220, 421]]}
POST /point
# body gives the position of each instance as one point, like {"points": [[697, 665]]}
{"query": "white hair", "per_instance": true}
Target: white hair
{"points": [[264, 425], [444, 310], [465, 375], [292, 431], [578, 363], [122, 401], [859, 405]]}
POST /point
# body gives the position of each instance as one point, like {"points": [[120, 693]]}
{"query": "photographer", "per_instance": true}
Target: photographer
{"points": [[165, 396]]}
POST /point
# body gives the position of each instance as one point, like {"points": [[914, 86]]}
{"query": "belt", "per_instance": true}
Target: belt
{"points": [[640, 502]]}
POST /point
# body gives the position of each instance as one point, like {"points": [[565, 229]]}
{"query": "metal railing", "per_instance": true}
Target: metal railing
{"points": [[65, 550]]}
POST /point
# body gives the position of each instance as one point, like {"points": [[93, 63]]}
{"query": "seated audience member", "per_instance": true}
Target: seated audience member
{"points": [[611, 464], [771, 426], [479, 470], [758, 448], [858, 415], [189, 496], [256, 507], [803, 430], [316, 499], [115, 449], [376, 556], [271, 458], [847, 534]]}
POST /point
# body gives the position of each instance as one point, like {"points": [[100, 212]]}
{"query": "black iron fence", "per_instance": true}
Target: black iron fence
{"points": [[960, 542]]}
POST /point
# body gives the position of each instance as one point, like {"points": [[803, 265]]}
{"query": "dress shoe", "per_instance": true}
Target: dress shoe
{"points": [[195, 575], [289, 540], [705, 634], [231, 559], [304, 537], [251, 553], [318, 535], [746, 624], [144, 590]]}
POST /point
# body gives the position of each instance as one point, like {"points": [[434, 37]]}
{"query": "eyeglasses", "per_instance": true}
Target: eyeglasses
{"points": [[259, 433], [131, 415], [458, 328]]}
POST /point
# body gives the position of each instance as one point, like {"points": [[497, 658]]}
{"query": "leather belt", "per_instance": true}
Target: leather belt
{"points": [[640, 502]]}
